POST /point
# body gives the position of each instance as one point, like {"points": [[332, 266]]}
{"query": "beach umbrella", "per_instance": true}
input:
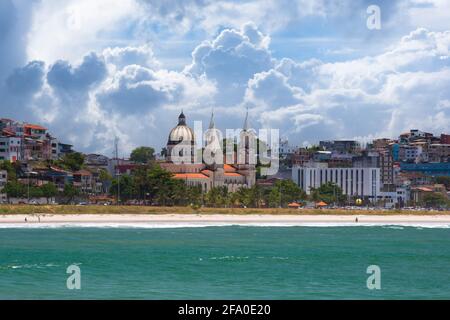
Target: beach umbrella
{"points": [[321, 204], [294, 205]]}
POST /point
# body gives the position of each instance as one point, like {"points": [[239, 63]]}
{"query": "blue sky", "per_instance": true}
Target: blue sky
{"points": [[91, 70]]}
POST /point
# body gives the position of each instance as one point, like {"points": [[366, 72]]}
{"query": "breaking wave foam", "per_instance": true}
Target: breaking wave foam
{"points": [[174, 225]]}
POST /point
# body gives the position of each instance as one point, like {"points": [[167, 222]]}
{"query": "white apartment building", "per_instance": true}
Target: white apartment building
{"points": [[10, 148], [398, 197], [3, 181], [409, 153], [363, 182]]}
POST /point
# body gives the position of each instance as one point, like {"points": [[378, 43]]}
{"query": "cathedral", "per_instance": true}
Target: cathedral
{"points": [[232, 174]]}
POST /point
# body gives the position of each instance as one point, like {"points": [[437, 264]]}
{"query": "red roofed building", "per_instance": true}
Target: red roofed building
{"points": [[21, 141]]}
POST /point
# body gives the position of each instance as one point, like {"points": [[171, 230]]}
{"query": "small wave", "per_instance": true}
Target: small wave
{"points": [[29, 266], [174, 225], [229, 258], [394, 227]]}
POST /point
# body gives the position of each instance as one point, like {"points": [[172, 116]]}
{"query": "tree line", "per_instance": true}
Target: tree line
{"points": [[151, 184]]}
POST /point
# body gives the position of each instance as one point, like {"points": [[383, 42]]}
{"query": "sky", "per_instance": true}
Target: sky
{"points": [[93, 70]]}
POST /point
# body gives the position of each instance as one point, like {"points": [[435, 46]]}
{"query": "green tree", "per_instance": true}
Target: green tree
{"points": [[284, 192], [217, 197], [435, 199], [11, 168], [35, 192], [106, 179], [179, 192], [194, 195], [257, 197], [443, 180], [49, 190], [70, 192], [14, 189], [127, 190], [142, 155], [160, 184], [329, 193], [242, 197], [274, 198], [141, 182], [72, 161]]}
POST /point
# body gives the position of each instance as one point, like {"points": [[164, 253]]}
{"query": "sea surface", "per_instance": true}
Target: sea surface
{"points": [[225, 262]]}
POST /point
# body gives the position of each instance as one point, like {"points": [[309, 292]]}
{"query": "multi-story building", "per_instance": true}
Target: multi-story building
{"points": [[439, 152], [301, 156], [63, 149], [23, 141], [366, 160], [386, 164], [381, 143], [322, 156], [11, 148], [409, 153], [342, 146], [362, 182], [379, 158], [445, 138], [415, 135], [340, 160], [84, 181], [286, 149], [3, 181]]}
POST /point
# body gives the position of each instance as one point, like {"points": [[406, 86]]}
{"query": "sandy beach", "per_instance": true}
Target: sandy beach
{"points": [[220, 219]]}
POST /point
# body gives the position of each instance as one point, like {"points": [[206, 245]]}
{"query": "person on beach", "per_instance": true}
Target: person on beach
{"points": [[26, 219], [356, 219]]}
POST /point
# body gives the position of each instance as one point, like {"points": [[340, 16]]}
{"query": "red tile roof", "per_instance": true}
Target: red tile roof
{"points": [[423, 189], [82, 173], [8, 132], [35, 127], [190, 176], [229, 168], [232, 174]]}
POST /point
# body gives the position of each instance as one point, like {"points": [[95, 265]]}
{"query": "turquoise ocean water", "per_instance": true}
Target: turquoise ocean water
{"points": [[225, 262]]}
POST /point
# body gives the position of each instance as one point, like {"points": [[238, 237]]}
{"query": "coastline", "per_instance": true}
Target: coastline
{"points": [[164, 220]]}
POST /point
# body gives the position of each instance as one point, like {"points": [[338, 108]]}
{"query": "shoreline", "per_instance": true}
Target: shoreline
{"points": [[217, 219]]}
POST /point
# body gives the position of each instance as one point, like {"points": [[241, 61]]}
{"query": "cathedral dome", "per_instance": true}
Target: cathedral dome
{"points": [[181, 132]]}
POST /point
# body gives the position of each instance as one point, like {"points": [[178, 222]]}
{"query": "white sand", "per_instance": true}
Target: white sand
{"points": [[223, 219]]}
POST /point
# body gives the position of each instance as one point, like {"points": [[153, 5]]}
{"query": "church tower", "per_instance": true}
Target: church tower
{"points": [[183, 137], [213, 154], [247, 152]]}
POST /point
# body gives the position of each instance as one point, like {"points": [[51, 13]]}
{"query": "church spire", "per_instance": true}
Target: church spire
{"points": [[212, 125], [246, 121], [181, 119]]}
